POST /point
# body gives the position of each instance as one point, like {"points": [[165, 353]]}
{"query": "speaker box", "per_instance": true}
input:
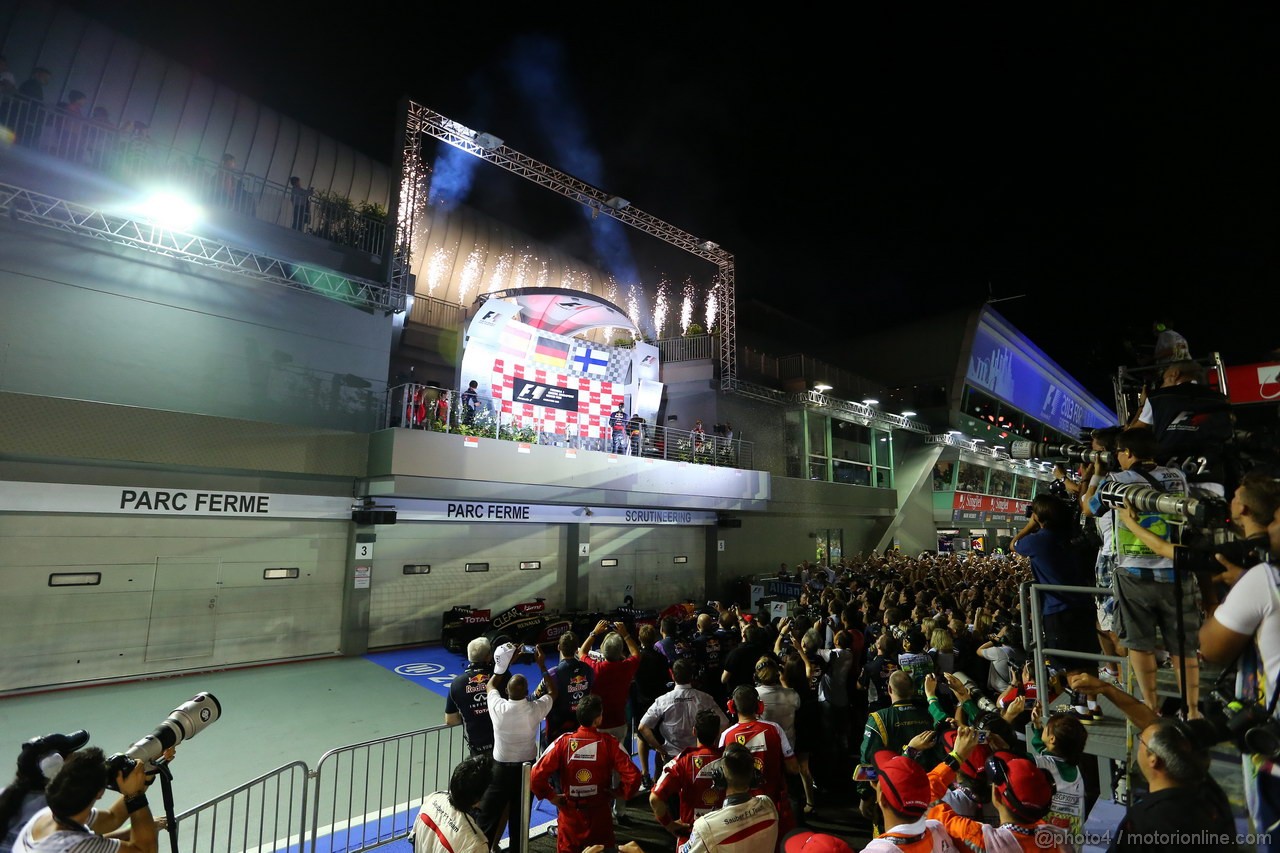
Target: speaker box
{"points": [[373, 516]]}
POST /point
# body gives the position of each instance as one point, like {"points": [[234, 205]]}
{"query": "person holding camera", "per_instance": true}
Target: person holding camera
{"points": [[1253, 506], [1151, 596], [1068, 618], [1022, 794], [39, 759], [1246, 628], [71, 824], [516, 720], [615, 670], [900, 788], [746, 823]]}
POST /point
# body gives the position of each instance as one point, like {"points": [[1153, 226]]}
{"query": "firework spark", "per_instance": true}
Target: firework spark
{"points": [[501, 272], [660, 308], [471, 272], [437, 266]]}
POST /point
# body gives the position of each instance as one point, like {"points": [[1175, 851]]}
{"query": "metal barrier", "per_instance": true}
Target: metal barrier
{"points": [[429, 407], [368, 794], [364, 796], [265, 814], [1029, 598]]}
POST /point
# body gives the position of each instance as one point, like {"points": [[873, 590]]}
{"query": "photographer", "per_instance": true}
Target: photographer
{"points": [[1253, 505], [1246, 627], [70, 823], [1151, 596], [1067, 617], [40, 758], [1191, 423]]}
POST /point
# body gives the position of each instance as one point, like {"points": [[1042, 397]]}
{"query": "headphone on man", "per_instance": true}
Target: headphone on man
{"points": [[720, 782], [733, 711], [997, 772]]}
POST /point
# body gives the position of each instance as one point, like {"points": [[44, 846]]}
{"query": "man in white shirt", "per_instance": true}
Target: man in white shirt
{"points": [[1246, 626], [673, 714], [516, 720]]}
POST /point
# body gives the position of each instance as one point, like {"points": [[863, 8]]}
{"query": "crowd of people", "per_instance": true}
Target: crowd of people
{"points": [[914, 687], [899, 687]]}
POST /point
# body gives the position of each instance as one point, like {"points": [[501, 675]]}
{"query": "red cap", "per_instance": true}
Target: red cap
{"points": [[977, 760], [815, 842], [1031, 786], [904, 783]]}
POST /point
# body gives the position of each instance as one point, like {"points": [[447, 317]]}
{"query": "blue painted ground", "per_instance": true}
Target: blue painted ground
{"points": [[432, 667]]}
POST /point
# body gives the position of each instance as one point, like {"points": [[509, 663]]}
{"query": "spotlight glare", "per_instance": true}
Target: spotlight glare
{"points": [[170, 210]]}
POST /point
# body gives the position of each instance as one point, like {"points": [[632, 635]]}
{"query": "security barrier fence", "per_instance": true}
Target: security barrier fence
{"points": [[359, 797]]}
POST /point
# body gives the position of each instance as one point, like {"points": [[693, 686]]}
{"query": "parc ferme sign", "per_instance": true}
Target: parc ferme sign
{"points": [[147, 500]]}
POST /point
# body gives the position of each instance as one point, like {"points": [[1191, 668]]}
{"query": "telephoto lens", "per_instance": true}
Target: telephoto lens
{"points": [[1146, 499], [185, 721]]}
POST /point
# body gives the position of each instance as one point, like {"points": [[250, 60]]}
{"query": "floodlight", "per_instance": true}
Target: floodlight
{"points": [[488, 141]]}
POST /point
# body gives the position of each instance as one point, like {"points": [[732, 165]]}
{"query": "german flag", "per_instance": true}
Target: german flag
{"points": [[551, 352]]}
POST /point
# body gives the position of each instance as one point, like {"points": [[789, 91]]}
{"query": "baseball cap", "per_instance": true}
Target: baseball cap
{"points": [[977, 759], [815, 842], [904, 783], [1030, 786]]}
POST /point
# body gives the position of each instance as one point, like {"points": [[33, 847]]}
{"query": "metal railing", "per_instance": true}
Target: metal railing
{"points": [[365, 796], [129, 155], [687, 349], [1029, 597], [264, 814], [428, 407]]}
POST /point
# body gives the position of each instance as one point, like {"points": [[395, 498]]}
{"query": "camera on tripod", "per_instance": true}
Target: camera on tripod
{"points": [[1069, 452], [185, 721], [1247, 725]]}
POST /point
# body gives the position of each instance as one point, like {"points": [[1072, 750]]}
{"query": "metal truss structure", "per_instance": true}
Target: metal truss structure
{"points": [[860, 412], [979, 449], [422, 120], [23, 205]]}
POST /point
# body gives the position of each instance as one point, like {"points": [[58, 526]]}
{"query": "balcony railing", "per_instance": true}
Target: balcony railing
{"points": [[414, 406], [129, 155]]}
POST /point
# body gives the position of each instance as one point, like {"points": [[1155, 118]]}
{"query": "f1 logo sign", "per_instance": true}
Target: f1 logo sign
{"points": [[530, 393]]}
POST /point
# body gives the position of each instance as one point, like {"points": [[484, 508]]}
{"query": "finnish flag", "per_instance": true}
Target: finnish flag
{"points": [[588, 360]]}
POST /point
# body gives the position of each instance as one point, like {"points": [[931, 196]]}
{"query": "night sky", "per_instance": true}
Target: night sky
{"points": [[1103, 163]]}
